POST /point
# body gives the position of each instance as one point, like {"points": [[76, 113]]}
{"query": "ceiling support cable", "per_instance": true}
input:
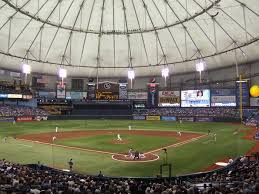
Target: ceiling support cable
{"points": [[24, 28], [171, 34], [9, 35], [140, 66], [141, 33], [215, 34], [42, 26], [185, 29], [127, 34], [6, 22], [41, 37], [224, 30], [244, 16], [56, 33], [86, 33], [71, 32], [243, 4], [98, 57], [156, 33], [113, 35], [205, 34]]}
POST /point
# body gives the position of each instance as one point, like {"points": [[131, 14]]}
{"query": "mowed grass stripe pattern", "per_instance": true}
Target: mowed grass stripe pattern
{"points": [[140, 143], [187, 158]]}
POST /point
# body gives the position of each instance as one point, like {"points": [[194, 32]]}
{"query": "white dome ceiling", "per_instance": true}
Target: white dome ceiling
{"points": [[110, 36]]}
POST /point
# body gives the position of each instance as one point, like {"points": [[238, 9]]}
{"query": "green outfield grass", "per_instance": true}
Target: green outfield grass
{"points": [[104, 142], [192, 157]]}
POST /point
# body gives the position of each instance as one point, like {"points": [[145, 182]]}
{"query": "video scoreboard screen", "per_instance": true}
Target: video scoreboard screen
{"points": [[195, 98]]}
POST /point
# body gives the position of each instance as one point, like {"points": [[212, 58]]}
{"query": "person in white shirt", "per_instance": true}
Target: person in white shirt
{"points": [[179, 133], [119, 137]]}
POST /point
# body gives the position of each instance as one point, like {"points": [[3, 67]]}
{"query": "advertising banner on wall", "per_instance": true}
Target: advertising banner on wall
{"points": [[195, 98], [139, 117], [6, 119], [3, 95], [107, 91], [137, 95], [245, 93], [14, 96], [24, 119], [254, 101], [90, 91], [123, 91], [190, 119], [223, 97], [61, 90], [169, 98], [47, 94], [204, 119], [153, 118], [168, 118], [152, 97]]}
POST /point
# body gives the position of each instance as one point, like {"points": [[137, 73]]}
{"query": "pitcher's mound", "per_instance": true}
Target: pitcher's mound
{"points": [[119, 142]]}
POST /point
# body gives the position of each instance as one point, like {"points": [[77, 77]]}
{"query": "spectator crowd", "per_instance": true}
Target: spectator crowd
{"points": [[12, 110], [186, 112], [242, 176]]}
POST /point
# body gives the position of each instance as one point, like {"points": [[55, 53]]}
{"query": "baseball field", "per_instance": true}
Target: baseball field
{"points": [[93, 145]]}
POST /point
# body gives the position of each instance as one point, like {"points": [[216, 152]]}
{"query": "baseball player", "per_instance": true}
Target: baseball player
{"points": [[53, 138], [129, 127], [56, 129], [119, 137], [215, 137], [179, 133]]}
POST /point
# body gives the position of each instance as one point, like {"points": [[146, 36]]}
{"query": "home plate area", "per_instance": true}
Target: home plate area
{"points": [[149, 157]]}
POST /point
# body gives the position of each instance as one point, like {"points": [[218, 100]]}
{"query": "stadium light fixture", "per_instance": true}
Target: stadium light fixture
{"points": [[165, 73], [62, 74], [200, 66], [26, 69], [131, 76]]}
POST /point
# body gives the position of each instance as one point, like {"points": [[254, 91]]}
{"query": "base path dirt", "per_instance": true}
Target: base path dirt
{"points": [[47, 138]]}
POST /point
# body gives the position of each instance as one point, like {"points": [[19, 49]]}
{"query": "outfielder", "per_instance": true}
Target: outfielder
{"points": [[129, 127], [56, 129]]}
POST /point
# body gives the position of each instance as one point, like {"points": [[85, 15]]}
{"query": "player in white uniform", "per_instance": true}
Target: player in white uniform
{"points": [[215, 137], [129, 127], [56, 129], [119, 137], [179, 133]]}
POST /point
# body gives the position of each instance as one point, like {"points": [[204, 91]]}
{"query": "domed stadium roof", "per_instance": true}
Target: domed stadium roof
{"points": [[110, 36]]}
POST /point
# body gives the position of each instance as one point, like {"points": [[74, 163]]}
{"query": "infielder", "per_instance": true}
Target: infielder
{"points": [[129, 127], [179, 133], [119, 137]]}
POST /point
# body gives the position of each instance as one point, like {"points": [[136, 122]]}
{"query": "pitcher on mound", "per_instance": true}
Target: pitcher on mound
{"points": [[119, 137]]}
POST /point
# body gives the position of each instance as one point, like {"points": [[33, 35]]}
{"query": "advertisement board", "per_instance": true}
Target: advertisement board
{"points": [[168, 118], [153, 118], [47, 94], [254, 101], [107, 91], [24, 119], [123, 91], [190, 119], [169, 98], [137, 95], [245, 93], [90, 91], [14, 96], [223, 97], [61, 90], [138, 117], [27, 97], [3, 95], [7, 119], [152, 98], [204, 119], [195, 98]]}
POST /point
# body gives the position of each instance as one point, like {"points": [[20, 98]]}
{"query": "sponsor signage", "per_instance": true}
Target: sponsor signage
{"points": [[204, 119], [24, 119], [61, 90], [137, 95], [6, 119], [223, 97], [107, 91], [191, 119], [91, 91], [27, 97], [254, 101], [47, 94], [138, 117], [245, 93], [168, 118], [14, 96], [152, 98], [169, 98], [3, 95], [153, 118], [123, 94], [195, 98]]}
